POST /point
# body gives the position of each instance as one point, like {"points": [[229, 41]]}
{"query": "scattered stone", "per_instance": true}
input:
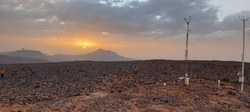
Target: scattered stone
{"points": [[225, 80], [39, 98], [231, 93]]}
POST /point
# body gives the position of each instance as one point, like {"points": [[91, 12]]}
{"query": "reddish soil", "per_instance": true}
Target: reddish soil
{"points": [[124, 86]]}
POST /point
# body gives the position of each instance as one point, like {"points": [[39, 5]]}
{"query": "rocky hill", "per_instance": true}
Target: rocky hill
{"points": [[28, 54], [98, 55], [124, 86]]}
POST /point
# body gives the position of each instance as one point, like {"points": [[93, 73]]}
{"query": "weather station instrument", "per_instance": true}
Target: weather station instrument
{"points": [[186, 51]]}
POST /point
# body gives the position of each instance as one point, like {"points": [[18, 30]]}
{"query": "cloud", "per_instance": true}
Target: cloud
{"points": [[232, 22], [126, 18]]}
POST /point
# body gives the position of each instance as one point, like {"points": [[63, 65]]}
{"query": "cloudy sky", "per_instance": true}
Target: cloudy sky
{"points": [[139, 29]]}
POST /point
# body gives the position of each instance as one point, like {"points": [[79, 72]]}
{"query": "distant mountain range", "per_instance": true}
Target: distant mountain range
{"points": [[33, 56], [6, 59]]}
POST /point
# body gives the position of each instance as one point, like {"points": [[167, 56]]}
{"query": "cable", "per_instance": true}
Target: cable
{"points": [[226, 44]]}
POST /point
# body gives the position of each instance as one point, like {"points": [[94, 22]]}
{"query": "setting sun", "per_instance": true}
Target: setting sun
{"points": [[86, 44]]}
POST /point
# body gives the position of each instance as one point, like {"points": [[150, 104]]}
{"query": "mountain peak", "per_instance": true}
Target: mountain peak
{"points": [[105, 55], [103, 51], [28, 54], [100, 50]]}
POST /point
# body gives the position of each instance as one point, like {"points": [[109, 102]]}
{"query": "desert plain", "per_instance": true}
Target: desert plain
{"points": [[126, 86]]}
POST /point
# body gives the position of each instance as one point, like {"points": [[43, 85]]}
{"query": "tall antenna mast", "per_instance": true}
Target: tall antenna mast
{"points": [[243, 53], [186, 51], [187, 21]]}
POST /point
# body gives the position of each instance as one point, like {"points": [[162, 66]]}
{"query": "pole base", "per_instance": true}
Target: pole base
{"points": [[186, 81]]}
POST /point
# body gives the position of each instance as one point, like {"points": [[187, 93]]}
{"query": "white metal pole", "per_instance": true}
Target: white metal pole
{"points": [[243, 53]]}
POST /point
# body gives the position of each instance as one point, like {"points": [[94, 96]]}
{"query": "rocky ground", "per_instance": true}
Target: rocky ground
{"points": [[124, 86]]}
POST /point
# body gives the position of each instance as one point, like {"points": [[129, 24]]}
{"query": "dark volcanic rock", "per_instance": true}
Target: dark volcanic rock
{"points": [[136, 86]]}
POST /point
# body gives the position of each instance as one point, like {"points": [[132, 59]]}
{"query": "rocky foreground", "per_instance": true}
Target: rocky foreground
{"points": [[124, 86]]}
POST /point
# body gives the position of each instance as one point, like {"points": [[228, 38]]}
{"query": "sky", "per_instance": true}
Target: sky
{"points": [[138, 29]]}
